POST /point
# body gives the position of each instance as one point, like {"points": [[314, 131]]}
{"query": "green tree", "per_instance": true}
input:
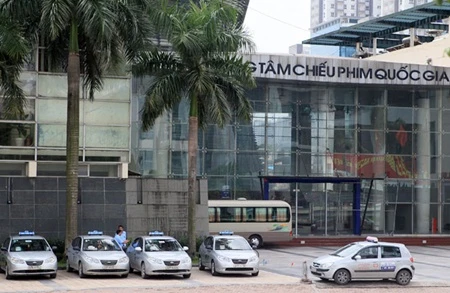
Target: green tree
{"points": [[13, 53], [87, 37], [204, 65]]}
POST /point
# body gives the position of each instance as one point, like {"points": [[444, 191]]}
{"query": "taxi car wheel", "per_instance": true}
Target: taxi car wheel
{"points": [[143, 274], [52, 276], [213, 269], [255, 240], [187, 276], [342, 277], [201, 267], [7, 275], [403, 277], [68, 268], [255, 274], [80, 270]]}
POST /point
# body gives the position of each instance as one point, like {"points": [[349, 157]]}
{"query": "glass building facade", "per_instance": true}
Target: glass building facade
{"points": [[320, 126]]}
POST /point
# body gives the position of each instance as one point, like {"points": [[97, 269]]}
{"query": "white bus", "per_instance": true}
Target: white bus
{"points": [[257, 220]]}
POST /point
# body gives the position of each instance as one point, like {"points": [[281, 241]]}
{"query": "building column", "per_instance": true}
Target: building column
{"points": [[422, 187]]}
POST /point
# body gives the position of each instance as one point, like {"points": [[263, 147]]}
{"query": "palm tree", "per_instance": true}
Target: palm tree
{"points": [[89, 37], [13, 52], [203, 66]]}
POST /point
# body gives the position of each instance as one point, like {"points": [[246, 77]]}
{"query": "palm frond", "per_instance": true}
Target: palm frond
{"points": [[56, 17]]}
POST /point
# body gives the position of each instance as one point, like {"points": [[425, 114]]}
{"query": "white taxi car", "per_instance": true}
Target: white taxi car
{"points": [[228, 254], [157, 254], [368, 259], [96, 254], [27, 254]]}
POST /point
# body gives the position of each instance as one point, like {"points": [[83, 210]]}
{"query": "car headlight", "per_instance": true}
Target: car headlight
{"points": [[186, 260], [253, 259], [123, 260], [326, 265], [91, 259], [155, 260], [17, 261], [51, 259], [223, 258]]}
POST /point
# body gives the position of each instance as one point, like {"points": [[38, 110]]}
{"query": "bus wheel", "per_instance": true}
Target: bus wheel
{"points": [[255, 241]]}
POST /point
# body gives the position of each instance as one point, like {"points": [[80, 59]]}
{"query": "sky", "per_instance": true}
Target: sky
{"points": [[275, 25]]}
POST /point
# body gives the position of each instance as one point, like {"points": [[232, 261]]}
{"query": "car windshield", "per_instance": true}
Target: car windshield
{"points": [[162, 245], [100, 244], [231, 244], [347, 250], [18, 245]]}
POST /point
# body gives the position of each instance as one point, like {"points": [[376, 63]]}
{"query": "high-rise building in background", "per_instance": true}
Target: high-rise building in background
{"points": [[331, 15]]}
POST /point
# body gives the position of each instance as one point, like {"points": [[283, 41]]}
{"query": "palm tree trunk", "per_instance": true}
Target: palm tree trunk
{"points": [[192, 178], [72, 134]]}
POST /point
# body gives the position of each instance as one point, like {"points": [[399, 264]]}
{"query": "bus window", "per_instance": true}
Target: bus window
{"points": [[249, 215], [278, 215], [212, 214], [228, 214], [261, 214]]}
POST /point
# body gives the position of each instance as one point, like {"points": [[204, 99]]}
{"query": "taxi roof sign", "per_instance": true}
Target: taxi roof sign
{"points": [[95, 232], [26, 233], [227, 232], [156, 233], [372, 239]]}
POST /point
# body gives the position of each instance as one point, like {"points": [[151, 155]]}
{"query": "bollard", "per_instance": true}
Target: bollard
{"points": [[305, 273]]}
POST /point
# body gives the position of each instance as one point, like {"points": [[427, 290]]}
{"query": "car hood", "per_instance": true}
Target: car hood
{"points": [[111, 255], [327, 258], [167, 255], [32, 255], [237, 253]]}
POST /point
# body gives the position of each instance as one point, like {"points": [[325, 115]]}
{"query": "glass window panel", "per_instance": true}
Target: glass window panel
{"points": [[179, 163], [180, 131], [58, 111], [220, 187], [371, 118], [223, 138], [398, 118], [430, 94], [400, 98], [107, 137], [344, 141], [426, 190], [53, 85], [345, 165], [342, 96], [249, 162], [28, 83], [280, 163], [53, 135], [399, 166], [425, 143], [248, 187], [219, 163], [106, 113], [345, 117], [371, 96], [371, 142], [279, 139], [398, 218], [399, 191], [426, 120], [446, 196], [103, 171], [371, 166], [114, 89], [256, 95], [399, 142]]}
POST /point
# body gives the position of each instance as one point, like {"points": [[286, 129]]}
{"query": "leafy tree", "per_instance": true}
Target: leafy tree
{"points": [[86, 38], [205, 67], [13, 53]]}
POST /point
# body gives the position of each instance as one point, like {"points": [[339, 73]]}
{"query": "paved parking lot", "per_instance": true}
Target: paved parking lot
{"points": [[281, 271]]}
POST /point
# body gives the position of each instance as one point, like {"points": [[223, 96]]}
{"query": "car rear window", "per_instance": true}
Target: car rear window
{"points": [[390, 252]]}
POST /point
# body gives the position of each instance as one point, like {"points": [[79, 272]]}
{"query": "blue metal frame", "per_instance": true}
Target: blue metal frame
{"points": [[338, 180]]}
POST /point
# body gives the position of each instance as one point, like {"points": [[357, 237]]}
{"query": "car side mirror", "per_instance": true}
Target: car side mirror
{"points": [[357, 257], [138, 249], [185, 248], [76, 248], [3, 249], [208, 247], [54, 248]]}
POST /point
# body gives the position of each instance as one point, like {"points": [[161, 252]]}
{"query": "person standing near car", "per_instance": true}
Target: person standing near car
{"points": [[120, 240]]}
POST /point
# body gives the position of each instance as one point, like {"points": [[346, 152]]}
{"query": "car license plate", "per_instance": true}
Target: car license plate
{"points": [[239, 265], [172, 268], [109, 267], [34, 267]]}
